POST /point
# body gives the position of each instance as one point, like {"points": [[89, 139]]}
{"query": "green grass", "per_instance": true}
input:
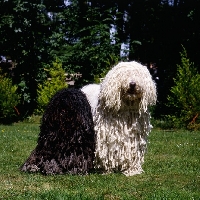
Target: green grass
{"points": [[172, 170]]}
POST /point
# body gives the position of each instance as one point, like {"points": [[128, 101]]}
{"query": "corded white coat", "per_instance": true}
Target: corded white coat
{"points": [[122, 119]]}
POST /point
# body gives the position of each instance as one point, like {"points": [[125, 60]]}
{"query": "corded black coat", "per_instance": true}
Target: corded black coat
{"points": [[66, 142]]}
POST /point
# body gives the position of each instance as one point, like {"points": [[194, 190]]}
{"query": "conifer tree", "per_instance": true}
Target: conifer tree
{"points": [[184, 99]]}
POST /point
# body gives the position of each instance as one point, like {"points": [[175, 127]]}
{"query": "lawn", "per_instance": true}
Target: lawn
{"points": [[172, 170]]}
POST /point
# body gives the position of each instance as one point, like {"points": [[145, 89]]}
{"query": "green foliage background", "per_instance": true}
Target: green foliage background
{"points": [[87, 37]]}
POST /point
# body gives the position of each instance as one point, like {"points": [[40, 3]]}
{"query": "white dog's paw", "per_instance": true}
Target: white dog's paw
{"points": [[129, 172]]}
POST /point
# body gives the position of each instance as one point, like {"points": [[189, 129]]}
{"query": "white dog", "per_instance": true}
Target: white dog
{"points": [[122, 120]]}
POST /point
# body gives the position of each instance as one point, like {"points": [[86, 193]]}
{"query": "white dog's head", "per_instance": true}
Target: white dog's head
{"points": [[128, 85]]}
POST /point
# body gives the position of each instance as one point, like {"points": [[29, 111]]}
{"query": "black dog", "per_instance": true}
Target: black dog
{"points": [[66, 142]]}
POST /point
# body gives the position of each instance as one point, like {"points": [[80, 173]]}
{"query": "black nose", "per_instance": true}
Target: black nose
{"points": [[132, 85]]}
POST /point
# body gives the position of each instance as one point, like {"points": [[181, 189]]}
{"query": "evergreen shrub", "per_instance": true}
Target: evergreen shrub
{"points": [[184, 101], [9, 99], [47, 89]]}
